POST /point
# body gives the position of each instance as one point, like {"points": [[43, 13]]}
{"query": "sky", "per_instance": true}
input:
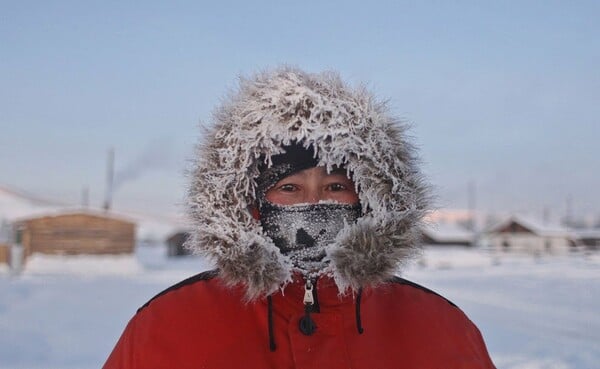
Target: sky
{"points": [[502, 97]]}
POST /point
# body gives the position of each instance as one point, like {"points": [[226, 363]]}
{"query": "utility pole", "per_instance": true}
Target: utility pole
{"points": [[569, 211], [85, 197], [546, 215], [472, 205]]}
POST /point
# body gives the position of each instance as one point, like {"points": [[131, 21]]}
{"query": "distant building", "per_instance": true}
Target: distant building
{"points": [[175, 244], [447, 234], [76, 232], [523, 234], [588, 238]]}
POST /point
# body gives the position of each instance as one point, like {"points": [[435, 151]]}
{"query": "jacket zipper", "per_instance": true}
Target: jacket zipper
{"points": [[307, 325]]}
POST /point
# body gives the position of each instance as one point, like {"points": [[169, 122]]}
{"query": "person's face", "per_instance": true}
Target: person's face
{"points": [[312, 185]]}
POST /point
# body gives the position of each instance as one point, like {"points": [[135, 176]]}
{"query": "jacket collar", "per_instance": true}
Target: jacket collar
{"points": [[328, 295]]}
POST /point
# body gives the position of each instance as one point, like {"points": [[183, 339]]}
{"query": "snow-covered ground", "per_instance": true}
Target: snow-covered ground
{"points": [[533, 312]]}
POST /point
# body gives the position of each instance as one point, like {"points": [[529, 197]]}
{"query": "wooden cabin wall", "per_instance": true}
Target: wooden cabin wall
{"points": [[78, 234]]}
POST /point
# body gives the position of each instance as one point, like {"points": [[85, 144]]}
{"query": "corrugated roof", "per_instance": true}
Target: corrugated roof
{"points": [[535, 225]]}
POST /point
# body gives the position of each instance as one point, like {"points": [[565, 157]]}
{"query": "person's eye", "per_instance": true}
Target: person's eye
{"points": [[288, 187], [336, 187]]}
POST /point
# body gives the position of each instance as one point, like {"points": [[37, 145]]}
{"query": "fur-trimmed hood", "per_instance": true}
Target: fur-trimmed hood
{"points": [[345, 126]]}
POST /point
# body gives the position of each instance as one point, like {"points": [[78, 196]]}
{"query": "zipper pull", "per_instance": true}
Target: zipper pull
{"points": [[308, 293], [306, 324]]}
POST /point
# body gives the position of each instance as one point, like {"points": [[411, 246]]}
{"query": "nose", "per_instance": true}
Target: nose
{"points": [[313, 196]]}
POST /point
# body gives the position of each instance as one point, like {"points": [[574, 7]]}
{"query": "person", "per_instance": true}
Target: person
{"points": [[307, 195]]}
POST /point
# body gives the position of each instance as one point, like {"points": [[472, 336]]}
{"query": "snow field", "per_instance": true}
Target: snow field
{"points": [[534, 313]]}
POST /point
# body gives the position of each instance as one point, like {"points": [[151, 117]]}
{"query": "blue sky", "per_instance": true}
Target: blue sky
{"points": [[503, 95]]}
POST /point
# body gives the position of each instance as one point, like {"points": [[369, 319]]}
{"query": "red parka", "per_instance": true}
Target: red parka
{"points": [[201, 323], [380, 322]]}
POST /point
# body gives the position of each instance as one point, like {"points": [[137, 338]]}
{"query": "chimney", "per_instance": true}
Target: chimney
{"points": [[109, 179]]}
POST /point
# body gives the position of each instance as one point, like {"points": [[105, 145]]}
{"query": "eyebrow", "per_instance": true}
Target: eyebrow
{"points": [[336, 171]]}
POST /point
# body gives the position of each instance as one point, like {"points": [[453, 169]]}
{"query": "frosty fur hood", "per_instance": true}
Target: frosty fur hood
{"points": [[345, 126]]}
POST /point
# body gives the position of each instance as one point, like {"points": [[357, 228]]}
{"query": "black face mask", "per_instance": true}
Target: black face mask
{"points": [[303, 231]]}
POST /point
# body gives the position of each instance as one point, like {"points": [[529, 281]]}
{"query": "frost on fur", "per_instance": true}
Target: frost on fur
{"points": [[345, 126]]}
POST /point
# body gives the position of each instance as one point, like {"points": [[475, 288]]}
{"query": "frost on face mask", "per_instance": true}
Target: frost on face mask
{"points": [[303, 231]]}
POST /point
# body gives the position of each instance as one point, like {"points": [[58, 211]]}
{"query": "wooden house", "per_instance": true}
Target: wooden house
{"points": [[175, 244], [78, 232], [446, 234], [523, 234], [588, 238]]}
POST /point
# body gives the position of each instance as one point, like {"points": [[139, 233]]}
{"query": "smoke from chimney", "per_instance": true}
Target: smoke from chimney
{"points": [[157, 155]]}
